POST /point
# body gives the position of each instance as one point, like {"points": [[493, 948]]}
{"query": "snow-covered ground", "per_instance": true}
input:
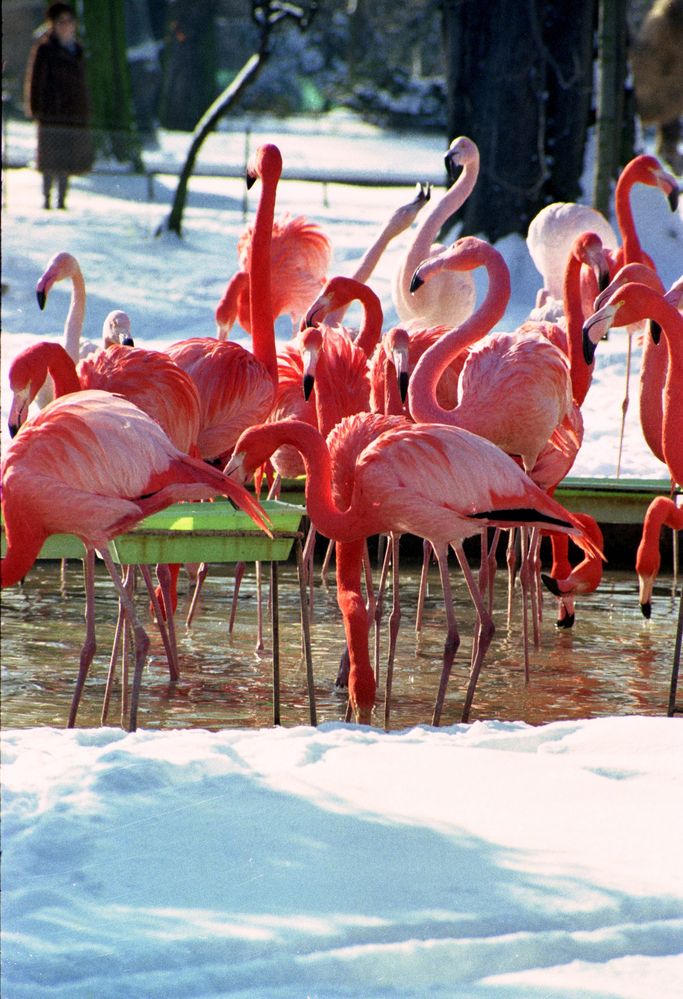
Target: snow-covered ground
{"points": [[491, 860]]}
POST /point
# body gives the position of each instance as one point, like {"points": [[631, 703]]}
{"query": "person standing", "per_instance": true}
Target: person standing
{"points": [[57, 99]]}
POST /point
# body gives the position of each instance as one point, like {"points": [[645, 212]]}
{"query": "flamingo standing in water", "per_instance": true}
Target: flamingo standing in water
{"points": [[93, 464], [661, 512], [450, 299], [566, 581], [381, 474]]}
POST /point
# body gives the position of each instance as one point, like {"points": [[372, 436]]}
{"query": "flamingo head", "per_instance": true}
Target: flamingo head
{"points": [[310, 343], [62, 265], [266, 163], [648, 170], [589, 249], [26, 376], [116, 329], [396, 344], [462, 153]]}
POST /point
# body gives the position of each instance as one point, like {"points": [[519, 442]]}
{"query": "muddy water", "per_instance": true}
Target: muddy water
{"points": [[612, 662]]}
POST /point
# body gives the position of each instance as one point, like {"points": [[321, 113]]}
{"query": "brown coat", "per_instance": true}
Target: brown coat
{"points": [[57, 99]]}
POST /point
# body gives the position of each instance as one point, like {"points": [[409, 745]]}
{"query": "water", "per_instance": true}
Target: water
{"points": [[612, 662]]}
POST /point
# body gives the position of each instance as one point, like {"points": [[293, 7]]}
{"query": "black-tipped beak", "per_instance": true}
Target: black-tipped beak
{"points": [[603, 279], [308, 383], [673, 199], [403, 385], [128, 341], [42, 299], [566, 622], [251, 180], [655, 331], [415, 283], [588, 347], [14, 429], [453, 169], [551, 584], [646, 608]]}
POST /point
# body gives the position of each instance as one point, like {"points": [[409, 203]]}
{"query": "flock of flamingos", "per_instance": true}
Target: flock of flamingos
{"points": [[439, 427]]}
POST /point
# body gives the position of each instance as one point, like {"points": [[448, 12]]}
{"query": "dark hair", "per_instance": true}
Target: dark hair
{"points": [[56, 10]]}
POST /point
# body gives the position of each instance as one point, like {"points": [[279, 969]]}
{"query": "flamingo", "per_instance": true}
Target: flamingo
{"points": [[632, 303], [149, 378], [300, 260], [380, 474], [566, 581], [451, 299], [661, 512], [93, 464], [237, 387]]}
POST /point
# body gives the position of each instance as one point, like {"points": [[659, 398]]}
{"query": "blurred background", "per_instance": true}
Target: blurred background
{"points": [[529, 82]]}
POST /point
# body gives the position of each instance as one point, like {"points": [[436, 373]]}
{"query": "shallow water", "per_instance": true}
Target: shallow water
{"points": [[612, 662]]}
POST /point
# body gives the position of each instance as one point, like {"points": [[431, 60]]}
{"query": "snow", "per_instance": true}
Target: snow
{"points": [[488, 860]]}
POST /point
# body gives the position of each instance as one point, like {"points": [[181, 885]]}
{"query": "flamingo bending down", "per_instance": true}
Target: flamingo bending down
{"points": [[93, 464], [632, 303], [661, 511], [381, 474], [567, 582], [451, 299]]}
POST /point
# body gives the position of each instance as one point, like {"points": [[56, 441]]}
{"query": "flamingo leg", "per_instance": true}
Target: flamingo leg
{"points": [[394, 622], [422, 592], [525, 583], [511, 559], [625, 402], [259, 607], [452, 637], [484, 632], [89, 643], [202, 573], [165, 621], [139, 633], [306, 632], [239, 573], [275, 625], [379, 606], [325, 569], [116, 645], [672, 707]]}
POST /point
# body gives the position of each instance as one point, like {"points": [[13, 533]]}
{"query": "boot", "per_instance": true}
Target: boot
{"points": [[62, 187], [47, 190]]}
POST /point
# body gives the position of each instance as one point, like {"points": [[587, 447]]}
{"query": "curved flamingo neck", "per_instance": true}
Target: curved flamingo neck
{"points": [[631, 249], [661, 512], [24, 541], [362, 686], [653, 372], [339, 525], [422, 401], [73, 326], [49, 358], [260, 298], [581, 373]]}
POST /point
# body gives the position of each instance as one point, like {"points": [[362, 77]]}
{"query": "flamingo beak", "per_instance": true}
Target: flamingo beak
{"points": [[403, 385], [673, 199], [235, 467], [453, 168], [595, 328], [415, 283], [308, 383], [127, 341], [655, 331], [42, 299]]}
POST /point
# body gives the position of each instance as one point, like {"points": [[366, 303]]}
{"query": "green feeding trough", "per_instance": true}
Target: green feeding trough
{"points": [[208, 532], [194, 532]]}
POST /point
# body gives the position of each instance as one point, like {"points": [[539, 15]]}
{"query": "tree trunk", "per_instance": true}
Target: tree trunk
{"points": [[189, 64], [205, 126], [112, 115], [610, 102]]}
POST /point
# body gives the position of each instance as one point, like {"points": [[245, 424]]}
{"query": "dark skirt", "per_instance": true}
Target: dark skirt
{"points": [[65, 149]]}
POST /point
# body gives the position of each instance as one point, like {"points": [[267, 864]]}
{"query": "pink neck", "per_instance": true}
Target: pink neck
{"points": [[260, 301], [581, 373], [631, 250], [422, 401]]}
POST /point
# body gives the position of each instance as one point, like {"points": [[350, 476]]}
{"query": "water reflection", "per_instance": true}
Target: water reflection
{"points": [[612, 662]]}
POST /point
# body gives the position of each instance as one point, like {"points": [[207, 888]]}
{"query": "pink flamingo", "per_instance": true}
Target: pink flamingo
{"points": [[451, 299], [381, 474], [93, 464], [661, 512], [566, 581], [632, 303], [237, 387]]}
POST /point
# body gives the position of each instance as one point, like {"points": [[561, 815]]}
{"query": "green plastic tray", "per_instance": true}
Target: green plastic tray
{"points": [[57, 546], [208, 532]]}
